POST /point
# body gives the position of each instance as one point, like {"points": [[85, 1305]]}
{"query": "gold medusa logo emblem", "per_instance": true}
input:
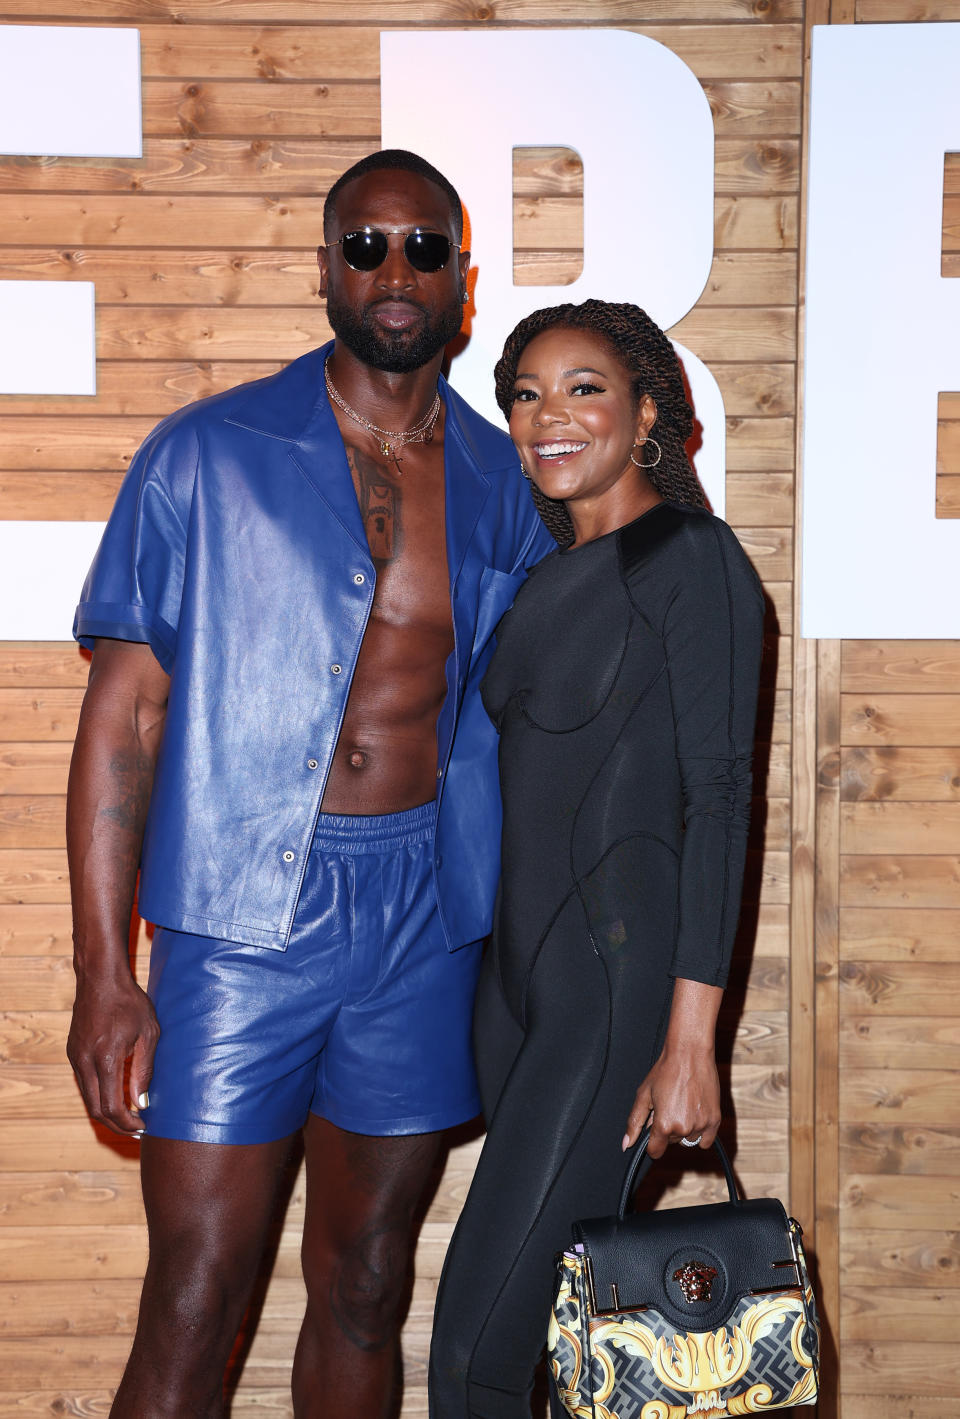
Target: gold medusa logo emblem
{"points": [[695, 1279]]}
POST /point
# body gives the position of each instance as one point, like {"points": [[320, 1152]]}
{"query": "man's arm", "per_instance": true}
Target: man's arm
{"points": [[111, 775]]}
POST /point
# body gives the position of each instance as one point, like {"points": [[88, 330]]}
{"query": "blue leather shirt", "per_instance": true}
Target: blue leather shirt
{"points": [[237, 552]]}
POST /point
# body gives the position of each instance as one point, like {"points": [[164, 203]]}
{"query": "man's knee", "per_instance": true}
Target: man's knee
{"points": [[365, 1284], [199, 1293]]}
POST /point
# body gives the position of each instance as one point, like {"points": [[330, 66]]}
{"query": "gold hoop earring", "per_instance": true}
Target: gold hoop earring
{"points": [[524, 472], [639, 444]]}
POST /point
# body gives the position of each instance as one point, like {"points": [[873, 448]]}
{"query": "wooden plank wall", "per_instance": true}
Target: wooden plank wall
{"points": [[887, 964], [202, 255]]}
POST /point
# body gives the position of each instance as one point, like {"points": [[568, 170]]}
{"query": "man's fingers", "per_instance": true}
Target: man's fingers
{"points": [[141, 1069], [114, 1108]]}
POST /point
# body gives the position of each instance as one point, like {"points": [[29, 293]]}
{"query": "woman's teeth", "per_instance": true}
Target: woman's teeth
{"points": [[557, 450]]}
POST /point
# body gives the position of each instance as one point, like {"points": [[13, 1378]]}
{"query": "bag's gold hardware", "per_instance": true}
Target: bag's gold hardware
{"points": [[696, 1281], [588, 1272], [616, 1308]]}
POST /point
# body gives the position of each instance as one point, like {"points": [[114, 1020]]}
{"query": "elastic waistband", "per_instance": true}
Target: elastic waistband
{"points": [[375, 832]]}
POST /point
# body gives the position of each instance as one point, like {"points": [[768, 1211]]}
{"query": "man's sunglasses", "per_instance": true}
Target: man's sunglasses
{"points": [[366, 249]]}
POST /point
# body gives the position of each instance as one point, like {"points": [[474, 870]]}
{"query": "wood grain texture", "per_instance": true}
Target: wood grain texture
{"points": [[252, 108], [900, 827], [891, 774], [913, 719], [878, 934], [870, 881]]}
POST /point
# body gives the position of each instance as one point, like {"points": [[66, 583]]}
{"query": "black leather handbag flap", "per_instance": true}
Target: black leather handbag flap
{"points": [[691, 1264]]}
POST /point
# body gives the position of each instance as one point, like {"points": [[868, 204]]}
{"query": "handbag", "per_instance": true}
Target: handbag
{"points": [[690, 1311]]}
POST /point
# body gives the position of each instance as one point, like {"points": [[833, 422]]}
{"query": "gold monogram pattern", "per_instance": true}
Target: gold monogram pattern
{"points": [[760, 1360]]}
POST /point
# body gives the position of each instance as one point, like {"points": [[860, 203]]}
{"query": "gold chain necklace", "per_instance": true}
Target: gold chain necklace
{"points": [[389, 439]]}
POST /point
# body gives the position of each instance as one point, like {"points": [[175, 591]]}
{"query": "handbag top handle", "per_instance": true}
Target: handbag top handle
{"points": [[640, 1165]]}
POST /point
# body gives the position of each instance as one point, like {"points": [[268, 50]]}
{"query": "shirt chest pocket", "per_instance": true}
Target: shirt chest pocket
{"points": [[495, 596]]}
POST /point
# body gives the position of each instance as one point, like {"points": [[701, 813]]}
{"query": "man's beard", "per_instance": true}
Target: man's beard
{"points": [[397, 351]]}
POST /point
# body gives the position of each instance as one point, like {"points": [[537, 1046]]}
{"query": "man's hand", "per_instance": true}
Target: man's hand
{"points": [[110, 1027]]}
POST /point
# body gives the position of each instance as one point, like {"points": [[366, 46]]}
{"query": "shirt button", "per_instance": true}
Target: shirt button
{"points": [[288, 856], [336, 669], [359, 578], [313, 764]]}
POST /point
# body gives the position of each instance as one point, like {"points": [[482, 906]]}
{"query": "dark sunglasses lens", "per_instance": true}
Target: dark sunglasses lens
{"points": [[364, 251], [427, 251]]}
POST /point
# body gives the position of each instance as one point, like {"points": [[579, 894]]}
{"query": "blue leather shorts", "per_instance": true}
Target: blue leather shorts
{"points": [[364, 1019]]}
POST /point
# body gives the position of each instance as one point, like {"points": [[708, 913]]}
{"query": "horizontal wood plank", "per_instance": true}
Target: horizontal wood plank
{"points": [[919, 1367], [876, 667], [890, 1041], [304, 53], [32, 770], [892, 774], [911, 934], [31, 820], [898, 1148], [35, 875], [885, 1202], [303, 166], [916, 719], [760, 499], [881, 1313], [900, 827], [874, 881], [296, 222], [923, 1258], [917, 1096], [900, 988], [35, 931], [39, 714]]}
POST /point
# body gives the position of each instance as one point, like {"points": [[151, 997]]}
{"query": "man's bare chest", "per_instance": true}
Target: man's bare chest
{"points": [[403, 515]]}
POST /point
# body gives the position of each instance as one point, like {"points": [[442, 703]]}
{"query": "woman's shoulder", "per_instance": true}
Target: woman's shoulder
{"points": [[682, 544], [677, 529]]}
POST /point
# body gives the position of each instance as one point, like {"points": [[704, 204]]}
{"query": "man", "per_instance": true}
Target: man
{"points": [[290, 612]]}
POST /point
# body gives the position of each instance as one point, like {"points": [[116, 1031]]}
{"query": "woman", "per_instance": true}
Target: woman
{"points": [[624, 687]]}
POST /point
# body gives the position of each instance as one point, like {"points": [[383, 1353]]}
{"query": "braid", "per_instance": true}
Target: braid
{"points": [[643, 349]]}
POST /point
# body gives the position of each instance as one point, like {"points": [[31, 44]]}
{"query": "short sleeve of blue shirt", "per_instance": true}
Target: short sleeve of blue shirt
{"points": [[134, 587]]}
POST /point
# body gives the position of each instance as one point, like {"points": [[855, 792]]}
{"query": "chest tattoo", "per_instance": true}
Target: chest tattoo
{"points": [[380, 502]]}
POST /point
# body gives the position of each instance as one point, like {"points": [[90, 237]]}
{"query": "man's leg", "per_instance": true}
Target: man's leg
{"points": [[209, 1208], [362, 1199]]}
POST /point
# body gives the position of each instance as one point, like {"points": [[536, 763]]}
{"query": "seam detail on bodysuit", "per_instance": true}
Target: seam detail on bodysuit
{"points": [[556, 1177], [731, 748], [572, 728], [603, 762]]}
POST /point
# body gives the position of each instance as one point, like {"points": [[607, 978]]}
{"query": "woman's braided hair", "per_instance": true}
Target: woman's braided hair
{"points": [[643, 349]]}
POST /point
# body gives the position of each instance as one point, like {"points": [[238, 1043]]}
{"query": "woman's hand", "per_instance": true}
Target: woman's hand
{"points": [[681, 1095]]}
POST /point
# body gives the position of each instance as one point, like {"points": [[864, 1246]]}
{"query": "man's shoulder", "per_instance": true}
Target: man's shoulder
{"points": [[278, 405]]}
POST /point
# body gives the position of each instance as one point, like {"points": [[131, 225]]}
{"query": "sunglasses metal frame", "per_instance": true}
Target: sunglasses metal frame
{"points": [[384, 232]]}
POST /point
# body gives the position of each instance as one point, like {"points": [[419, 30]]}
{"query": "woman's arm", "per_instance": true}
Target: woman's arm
{"points": [[712, 636]]}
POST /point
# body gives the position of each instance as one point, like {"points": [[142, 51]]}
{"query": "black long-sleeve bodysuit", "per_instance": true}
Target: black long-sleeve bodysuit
{"points": [[624, 685]]}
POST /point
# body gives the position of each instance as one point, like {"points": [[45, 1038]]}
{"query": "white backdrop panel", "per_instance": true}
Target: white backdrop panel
{"points": [[47, 343], [882, 333], [42, 567], [70, 91], [642, 125]]}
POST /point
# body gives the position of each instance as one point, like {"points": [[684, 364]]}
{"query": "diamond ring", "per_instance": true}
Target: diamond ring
{"points": [[691, 1142]]}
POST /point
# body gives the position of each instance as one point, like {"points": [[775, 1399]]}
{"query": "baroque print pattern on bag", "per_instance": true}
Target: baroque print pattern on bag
{"points": [[763, 1357]]}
